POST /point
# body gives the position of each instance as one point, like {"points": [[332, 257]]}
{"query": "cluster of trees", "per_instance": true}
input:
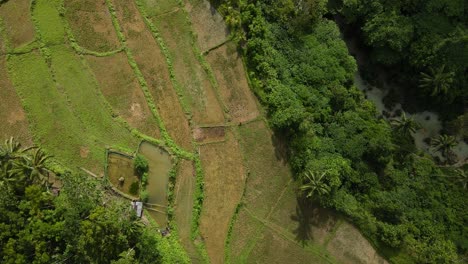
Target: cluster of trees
{"points": [[423, 43], [346, 156], [83, 224]]}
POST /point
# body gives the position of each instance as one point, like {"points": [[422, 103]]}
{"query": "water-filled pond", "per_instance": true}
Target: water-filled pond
{"points": [[160, 165]]}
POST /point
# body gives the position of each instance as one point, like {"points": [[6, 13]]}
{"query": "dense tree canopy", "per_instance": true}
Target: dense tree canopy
{"points": [[424, 43], [402, 201], [84, 224]]}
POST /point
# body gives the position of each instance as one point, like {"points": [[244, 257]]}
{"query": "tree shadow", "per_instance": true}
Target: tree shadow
{"points": [[281, 147], [308, 216]]}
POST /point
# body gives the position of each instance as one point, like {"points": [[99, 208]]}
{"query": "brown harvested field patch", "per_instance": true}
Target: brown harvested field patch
{"points": [[122, 90], [152, 64], [207, 23], [268, 174], [232, 80], [91, 24], [12, 116], [209, 134], [223, 186], [184, 190], [17, 22], [121, 166], [349, 246], [189, 72]]}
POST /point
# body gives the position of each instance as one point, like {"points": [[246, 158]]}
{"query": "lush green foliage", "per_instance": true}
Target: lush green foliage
{"points": [[84, 224], [304, 76], [140, 164], [425, 43]]}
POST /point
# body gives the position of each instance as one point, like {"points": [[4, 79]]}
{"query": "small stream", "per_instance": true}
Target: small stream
{"points": [[431, 126]]}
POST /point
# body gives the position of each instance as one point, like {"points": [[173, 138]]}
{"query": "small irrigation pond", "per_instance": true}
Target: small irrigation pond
{"points": [[121, 174]]}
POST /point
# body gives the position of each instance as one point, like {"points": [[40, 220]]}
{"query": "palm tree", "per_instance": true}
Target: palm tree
{"points": [[405, 125], [438, 81], [34, 166], [444, 144], [9, 150], [314, 184]]}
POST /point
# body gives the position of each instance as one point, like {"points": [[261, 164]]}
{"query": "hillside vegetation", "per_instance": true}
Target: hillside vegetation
{"points": [[345, 156]]}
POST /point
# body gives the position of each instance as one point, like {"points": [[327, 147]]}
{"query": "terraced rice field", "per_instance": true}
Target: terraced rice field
{"points": [[78, 77]]}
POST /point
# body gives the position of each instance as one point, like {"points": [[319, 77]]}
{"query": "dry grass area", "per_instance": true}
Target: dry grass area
{"points": [[121, 166], [268, 173], [204, 135], [349, 246], [184, 191], [197, 87], [12, 116], [13, 14], [224, 182], [207, 23], [161, 7], [91, 24], [234, 87], [152, 64], [122, 90]]}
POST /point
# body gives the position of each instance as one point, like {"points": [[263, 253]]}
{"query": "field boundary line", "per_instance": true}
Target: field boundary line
{"points": [[286, 235], [285, 188], [169, 142], [165, 51], [205, 65]]}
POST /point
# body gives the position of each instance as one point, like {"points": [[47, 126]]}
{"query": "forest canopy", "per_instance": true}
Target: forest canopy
{"points": [[346, 156], [82, 222]]}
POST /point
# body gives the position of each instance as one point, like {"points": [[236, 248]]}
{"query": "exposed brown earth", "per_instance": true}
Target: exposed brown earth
{"points": [[12, 114], [152, 64], [13, 14], [230, 74], [224, 183], [189, 72], [122, 90], [207, 23]]}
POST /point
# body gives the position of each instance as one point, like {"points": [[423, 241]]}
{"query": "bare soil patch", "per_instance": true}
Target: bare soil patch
{"points": [[224, 182], [91, 24], [12, 115], [232, 80], [119, 166], [349, 246], [152, 64], [209, 134], [176, 33], [207, 23], [17, 22], [122, 90]]}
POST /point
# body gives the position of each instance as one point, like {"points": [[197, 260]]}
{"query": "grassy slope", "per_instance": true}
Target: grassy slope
{"points": [[69, 116]]}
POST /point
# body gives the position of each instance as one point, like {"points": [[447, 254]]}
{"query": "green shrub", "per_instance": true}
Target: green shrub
{"points": [[134, 188], [144, 179], [144, 196], [141, 165]]}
